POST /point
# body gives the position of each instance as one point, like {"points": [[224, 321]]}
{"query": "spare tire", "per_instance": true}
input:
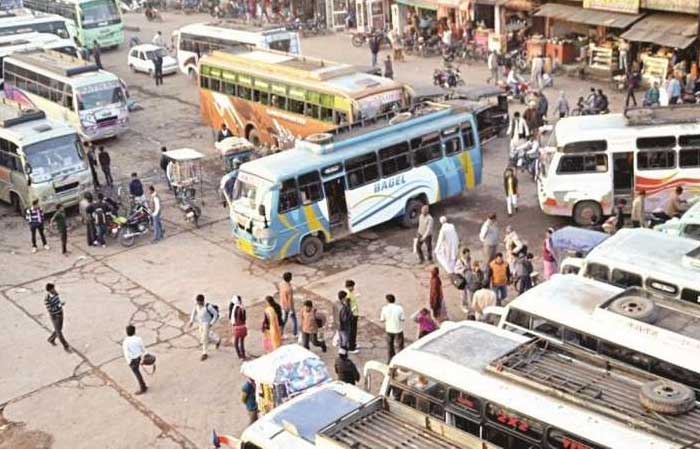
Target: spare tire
{"points": [[635, 307], [319, 138], [666, 397]]}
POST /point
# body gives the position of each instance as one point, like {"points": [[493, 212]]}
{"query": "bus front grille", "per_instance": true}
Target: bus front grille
{"points": [[107, 121], [66, 187]]}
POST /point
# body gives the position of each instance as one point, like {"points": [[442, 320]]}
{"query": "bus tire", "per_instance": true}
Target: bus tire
{"points": [[412, 213], [253, 137], [635, 307], [583, 211], [132, 68], [666, 397], [311, 250], [16, 203]]}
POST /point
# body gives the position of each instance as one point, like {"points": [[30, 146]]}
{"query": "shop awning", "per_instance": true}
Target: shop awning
{"points": [[449, 3], [592, 17], [422, 4], [669, 30]]}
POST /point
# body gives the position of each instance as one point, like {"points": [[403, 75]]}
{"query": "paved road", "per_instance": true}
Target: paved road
{"points": [[51, 399]]}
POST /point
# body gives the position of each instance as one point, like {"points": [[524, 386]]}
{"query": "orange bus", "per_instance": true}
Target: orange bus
{"points": [[272, 97]]}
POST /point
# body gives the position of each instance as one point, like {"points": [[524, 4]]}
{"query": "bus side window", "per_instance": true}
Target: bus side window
{"points": [[245, 93], [229, 88], [689, 158], [690, 295], [310, 187], [583, 164], [311, 110], [296, 106], [661, 286], [579, 339], [361, 170], [278, 101], [264, 97], [546, 327], [625, 279], [452, 144], [598, 272], [395, 159], [519, 318], [467, 411], [692, 231], [467, 136], [428, 150], [660, 159], [289, 196], [326, 114], [627, 355], [561, 439]]}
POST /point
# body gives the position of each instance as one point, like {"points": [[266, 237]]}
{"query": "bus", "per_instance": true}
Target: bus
{"points": [[516, 392], [664, 264], [93, 20], [195, 40], [636, 327], [294, 202], [16, 23], [594, 161], [69, 89], [18, 43], [40, 159], [273, 98]]}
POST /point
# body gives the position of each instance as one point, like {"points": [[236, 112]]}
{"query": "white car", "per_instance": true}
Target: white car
{"points": [[141, 59]]}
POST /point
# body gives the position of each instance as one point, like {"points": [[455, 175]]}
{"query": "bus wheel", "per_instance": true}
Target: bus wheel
{"points": [[411, 213], [585, 211], [666, 397], [311, 250], [16, 203], [253, 137]]}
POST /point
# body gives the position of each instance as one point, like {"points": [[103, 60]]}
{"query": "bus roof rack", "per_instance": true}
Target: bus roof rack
{"points": [[605, 386], [662, 115], [12, 114]]}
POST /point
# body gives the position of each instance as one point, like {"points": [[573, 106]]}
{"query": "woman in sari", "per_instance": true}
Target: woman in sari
{"points": [[437, 300], [272, 331]]}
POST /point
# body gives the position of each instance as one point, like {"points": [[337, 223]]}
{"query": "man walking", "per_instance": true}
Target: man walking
{"points": [[374, 43], [388, 68], [632, 83], [310, 323], [518, 130], [393, 318], [156, 214], [562, 105], [96, 54], [500, 276], [355, 308], [425, 234], [489, 238], [35, 219], [158, 69], [205, 315], [492, 63], [344, 320], [105, 164], [510, 186], [164, 161], [54, 305], [59, 218], [99, 218], [345, 369], [536, 72], [287, 303], [638, 213], [158, 39], [92, 162], [133, 349]]}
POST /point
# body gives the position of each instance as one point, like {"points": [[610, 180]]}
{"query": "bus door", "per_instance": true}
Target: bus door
{"points": [[623, 176], [337, 206]]}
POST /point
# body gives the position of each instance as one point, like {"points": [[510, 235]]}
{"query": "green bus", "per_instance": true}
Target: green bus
{"points": [[94, 20]]}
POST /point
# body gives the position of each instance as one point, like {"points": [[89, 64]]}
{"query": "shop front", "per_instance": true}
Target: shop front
{"points": [[663, 44], [501, 24], [418, 13], [371, 14], [574, 35]]}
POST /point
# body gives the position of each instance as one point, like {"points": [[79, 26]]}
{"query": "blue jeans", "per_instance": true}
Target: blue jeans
{"points": [[100, 231], [157, 228], [374, 59], [501, 293], [293, 315]]}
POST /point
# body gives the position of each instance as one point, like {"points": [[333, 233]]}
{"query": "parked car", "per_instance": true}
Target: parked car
{"points": [[141, 59]]}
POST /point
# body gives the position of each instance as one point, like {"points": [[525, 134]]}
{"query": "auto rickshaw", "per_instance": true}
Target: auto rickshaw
{"points": [[185, 175], [233, 151]]}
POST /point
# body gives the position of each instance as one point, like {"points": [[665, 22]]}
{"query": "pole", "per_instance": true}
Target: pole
{"points": [[697, 41]]}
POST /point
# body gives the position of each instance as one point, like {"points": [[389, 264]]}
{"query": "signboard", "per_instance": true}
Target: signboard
{"points": [[681, 6], [622, 6]]}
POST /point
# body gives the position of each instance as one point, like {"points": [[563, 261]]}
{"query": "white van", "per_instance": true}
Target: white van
{"points": [[667, 265]]}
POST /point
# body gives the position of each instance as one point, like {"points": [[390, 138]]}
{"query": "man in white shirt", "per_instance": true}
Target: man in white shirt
{"points": [[205, 315], [133, 352], [156, 215], [393, 318], [158, 39]]}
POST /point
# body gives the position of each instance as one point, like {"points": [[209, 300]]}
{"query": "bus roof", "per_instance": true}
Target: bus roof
{"points": [[613, 128], [304, 71], [306, 156], [459, 354], [24, 126], [18, 17], [60, 65], [26, 38], [226, 30], [650, 251]]}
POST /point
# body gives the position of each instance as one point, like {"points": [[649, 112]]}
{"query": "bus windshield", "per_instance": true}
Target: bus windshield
{"points": [[249, 191], [53, 155], [99, 13], [100, 95]]}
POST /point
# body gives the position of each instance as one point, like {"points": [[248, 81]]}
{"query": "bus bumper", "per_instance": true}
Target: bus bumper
{"points": [[110, 39], [98, 133], [256, 250]]}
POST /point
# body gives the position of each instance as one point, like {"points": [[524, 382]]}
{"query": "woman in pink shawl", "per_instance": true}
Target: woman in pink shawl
{"points": [[550, 263]]}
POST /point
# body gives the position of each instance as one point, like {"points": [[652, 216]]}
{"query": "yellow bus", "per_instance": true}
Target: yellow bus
{"points": [[272, 97]]}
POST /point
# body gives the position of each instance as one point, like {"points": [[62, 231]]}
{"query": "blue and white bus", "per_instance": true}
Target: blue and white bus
{"points": [[333, 185]]}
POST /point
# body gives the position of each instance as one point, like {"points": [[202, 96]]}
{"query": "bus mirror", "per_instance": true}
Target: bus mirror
{"points": [[28, 169], [261, 210]]}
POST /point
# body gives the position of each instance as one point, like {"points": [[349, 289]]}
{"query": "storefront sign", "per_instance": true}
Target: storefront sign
{"points": [[623, 6], [681, 6]]}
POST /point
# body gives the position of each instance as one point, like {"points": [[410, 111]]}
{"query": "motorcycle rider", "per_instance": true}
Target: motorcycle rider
{"points": [[513, 81], [601, 103]]}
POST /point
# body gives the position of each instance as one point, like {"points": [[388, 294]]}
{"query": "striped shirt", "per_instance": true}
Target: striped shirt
{"points": [[53, 304], [35, 216]]}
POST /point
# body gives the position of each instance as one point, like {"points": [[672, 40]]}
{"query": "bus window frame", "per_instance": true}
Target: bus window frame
{"points": [[596, 166], [647, 153], [349, 172], [394, 158], [589, 268], [649, 284], [316, 182], [626, 273], [428, 142], [288, 191]]}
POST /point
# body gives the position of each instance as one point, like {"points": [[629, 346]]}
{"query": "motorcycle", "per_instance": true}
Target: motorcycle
{"points": [[152, 14], [448, 77], [515, 59], [186, 202], [138, 223], [359, 39], [429, 47], [520, 93]]}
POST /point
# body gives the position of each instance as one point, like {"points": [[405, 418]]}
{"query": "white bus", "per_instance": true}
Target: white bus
{"points": [[25, 42], [636, 327], [660, 263], [40, 159], [25, 22], [592, 161], [92, 100], [514, 392], [196, 40]]}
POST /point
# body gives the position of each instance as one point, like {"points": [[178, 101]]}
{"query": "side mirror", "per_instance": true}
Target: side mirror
{"points": [[261, 210], [28, 168]]}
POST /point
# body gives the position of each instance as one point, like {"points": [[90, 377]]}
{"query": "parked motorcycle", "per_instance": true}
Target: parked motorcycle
{"points": [[359, 39], [152, 14], [448, 77], [515, 59], [137, 224], [186, 202], [430, 46]]}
